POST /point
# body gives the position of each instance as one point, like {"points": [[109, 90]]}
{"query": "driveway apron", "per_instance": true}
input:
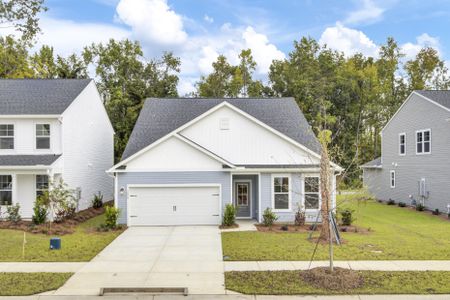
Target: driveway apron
{"points": [[181, 256]]}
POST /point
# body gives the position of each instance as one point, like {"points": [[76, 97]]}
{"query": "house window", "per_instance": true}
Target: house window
{"points": [[41, 184], [42, 136], [242, 194], [5, 190], [402, 143], [281, 193], [423, 141], [6, 136], [392, 179], [311, 189]]}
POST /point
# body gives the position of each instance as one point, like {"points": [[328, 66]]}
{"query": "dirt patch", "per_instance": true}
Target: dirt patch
{"points": [[355, 229], [62, 228], [229, 227], [340, 279]]}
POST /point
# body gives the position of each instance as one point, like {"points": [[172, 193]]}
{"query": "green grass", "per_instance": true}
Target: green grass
{"points": [[82, 245], [375, 282], [24, 284], [396, 234]]}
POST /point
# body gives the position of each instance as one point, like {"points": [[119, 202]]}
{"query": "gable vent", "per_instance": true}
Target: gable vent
{"points": [[224, 124]]}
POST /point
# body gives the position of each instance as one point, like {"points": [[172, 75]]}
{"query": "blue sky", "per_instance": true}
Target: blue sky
{"points": [[199, 30]]}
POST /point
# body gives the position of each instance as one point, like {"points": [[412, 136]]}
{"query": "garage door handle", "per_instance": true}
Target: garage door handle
{"points": [[215, 195], [133, 216], [215, 215]]}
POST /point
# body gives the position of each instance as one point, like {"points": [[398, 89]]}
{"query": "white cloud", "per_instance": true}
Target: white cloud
{"points": [[368, 12], [349, 41], [424, 40], [152, 22], [208, 19]]}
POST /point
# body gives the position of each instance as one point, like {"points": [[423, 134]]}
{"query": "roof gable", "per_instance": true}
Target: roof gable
{"points": [[160, 117], [39, 96], [440, 97]]}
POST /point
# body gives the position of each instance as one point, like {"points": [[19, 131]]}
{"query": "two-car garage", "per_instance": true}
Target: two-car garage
{"points": [[173, 205]]}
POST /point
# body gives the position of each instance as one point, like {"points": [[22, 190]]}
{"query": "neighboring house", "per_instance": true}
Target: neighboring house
{"points": [[187, 158], [415, 155], [51, 129]]}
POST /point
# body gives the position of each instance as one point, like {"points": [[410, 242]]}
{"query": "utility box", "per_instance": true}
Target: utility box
{"points": [[55, 243]]}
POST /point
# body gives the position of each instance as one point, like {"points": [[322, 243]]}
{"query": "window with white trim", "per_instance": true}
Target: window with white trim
{"points": [[423, 141], [281, 193], [5, 190], [402, 143], [392, 179], [42, 136], [6, 136], [41, 184], [312, 190]]}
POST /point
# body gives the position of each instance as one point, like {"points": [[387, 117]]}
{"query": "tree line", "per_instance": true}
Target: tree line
{"points": [[352, 96]]}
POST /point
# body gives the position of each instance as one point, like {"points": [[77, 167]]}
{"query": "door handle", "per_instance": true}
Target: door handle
{"points": [[133, 216], [215, 215], [174, 208]]}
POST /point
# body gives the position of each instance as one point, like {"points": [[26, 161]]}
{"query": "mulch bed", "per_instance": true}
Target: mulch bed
{"points": [[65, 227], [229, 227], [340, 279], [308, 228]]}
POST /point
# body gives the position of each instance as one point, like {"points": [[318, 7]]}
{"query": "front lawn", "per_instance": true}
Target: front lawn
{"points": [[82, 245], [24, 284], [375, 282], [395, 234]]}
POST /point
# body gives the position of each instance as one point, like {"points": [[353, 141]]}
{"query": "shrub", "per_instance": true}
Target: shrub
{"points": [[13, 213], [284, 228], [420, 207], [66, 210], [39, 212], [97, 201], [391, 202], [347, 217], [436, 212], [402, 204], [269, 217], [448, 215], [111, 216], [229, 216], [300, 217]]}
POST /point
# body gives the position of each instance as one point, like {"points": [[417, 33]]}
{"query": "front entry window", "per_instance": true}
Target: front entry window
{"points": [[5, 190], [242, 194]]}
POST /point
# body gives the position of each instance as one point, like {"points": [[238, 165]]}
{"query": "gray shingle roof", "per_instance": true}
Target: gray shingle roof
{"points": [[279, 166], [159, 117], [38, 96], [28, 160], [376, 163], [441, 97]]}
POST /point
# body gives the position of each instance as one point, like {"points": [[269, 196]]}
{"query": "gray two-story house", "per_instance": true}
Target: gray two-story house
{"points": [[415, 163]]}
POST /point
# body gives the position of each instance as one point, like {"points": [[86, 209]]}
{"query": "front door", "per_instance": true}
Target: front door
{"points": [[242, 199]]}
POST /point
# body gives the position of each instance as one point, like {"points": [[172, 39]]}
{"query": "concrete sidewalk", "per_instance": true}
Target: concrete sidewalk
{"points": [[52, 267], [371, 265]]}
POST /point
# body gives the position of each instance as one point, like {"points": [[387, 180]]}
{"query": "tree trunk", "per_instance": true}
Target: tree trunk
{"points": [[325, 191]]}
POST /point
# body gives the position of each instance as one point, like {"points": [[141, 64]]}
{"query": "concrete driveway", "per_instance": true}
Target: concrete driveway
{"points": [[184, 256]]}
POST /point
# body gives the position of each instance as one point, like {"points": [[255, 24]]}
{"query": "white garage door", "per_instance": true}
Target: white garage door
{"points": [[174, 205]]}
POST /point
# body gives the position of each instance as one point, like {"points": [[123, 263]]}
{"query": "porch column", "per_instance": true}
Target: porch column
{"points": [[14, 188]]}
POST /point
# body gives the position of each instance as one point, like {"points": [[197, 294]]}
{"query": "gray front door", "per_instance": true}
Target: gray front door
{"points": [[242, 199]]}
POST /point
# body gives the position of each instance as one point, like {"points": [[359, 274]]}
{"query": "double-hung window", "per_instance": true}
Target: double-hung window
{"points": [[402, 143], [281, 193], [6, 136], [42, 136], [423, 141], [392, 179], [41, 184], [312, 190], [5, 190]]}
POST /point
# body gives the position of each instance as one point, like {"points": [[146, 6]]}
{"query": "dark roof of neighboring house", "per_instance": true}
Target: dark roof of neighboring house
{"points": [[279, 166], [38, 96], [441, 97], [376, 163], [159, 117], [28, 160]]}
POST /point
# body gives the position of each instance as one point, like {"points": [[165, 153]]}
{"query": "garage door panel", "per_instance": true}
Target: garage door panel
{"points": [[174, 205]]}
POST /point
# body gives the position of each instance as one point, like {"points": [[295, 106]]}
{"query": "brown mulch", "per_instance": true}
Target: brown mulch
{"points": [[229, 227], [285, 228], [355, 229], [340, 279], [62, 228]]}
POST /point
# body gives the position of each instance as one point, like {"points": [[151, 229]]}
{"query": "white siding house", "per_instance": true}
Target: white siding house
{"points": [[53, 129]]}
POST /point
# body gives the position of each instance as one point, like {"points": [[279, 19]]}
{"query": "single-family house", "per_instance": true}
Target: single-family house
{"points": [[53, 129], [187, 158]]}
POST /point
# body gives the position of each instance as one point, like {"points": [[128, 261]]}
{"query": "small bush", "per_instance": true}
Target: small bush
{"points": [[420, 207], [448, 215], [229, 216], [347, 217], [66, 210], [269, 217], [436, 212], [391, 202], [284, 228], [39, 212], [300, 217], [13, 213], [97, 201], [111, 216], [402, 204]]}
